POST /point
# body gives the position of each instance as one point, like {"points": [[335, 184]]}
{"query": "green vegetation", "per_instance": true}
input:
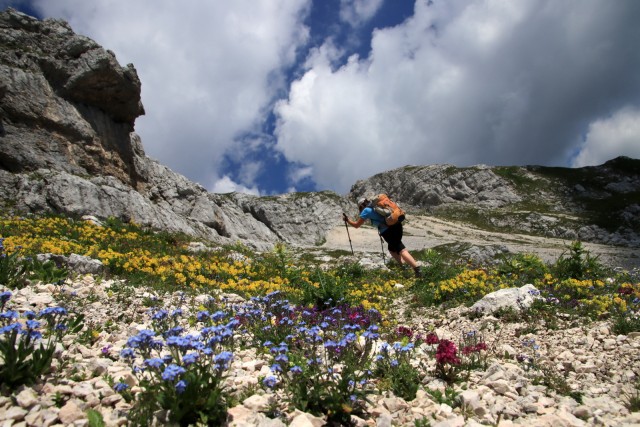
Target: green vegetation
{"points": [[317, 325]]}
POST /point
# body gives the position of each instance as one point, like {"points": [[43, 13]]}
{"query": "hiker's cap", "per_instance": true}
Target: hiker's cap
{"points": [[362, 201]]}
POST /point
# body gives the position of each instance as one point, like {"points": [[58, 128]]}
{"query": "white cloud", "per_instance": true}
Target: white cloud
{"points": [[357, 12], [209, 69], [610, 137], [464, 82], [227, 185]]}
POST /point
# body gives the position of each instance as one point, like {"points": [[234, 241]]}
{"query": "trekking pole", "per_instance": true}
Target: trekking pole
{"points": [[382, 248], [349, 235]]}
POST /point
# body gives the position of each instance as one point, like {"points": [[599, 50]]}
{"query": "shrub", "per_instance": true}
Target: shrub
{"points": [[577, 263]]}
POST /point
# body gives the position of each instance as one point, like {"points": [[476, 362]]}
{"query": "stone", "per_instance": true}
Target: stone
{"points": [[515, 298], [26, 398], [70, 412]]}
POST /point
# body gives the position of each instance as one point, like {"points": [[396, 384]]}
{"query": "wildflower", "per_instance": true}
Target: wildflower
{"points": [[155, 362], [218, 315], [127, 353], [53, 311], [4, 297], [160, 315], [223, 359], [120, 387], [432, 339], [176, 313], [9, 315], [270, 381], [14, 327], [181, 386], [296, 370], [190, 358], [172, 371], [32, 324], [202, 316], [446, 353]]}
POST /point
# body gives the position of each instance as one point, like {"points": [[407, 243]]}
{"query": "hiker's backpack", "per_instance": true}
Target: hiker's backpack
{"points": [[389, 209]]}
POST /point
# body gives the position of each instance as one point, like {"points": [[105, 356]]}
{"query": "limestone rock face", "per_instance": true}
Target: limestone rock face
{"points": [[65, 102], [67, 145]]}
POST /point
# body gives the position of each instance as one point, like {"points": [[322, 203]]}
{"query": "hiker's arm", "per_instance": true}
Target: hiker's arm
{"points": [[355, 224]]}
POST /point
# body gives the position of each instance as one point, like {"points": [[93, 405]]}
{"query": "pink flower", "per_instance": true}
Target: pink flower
{"points": [[446, 353], [432, 338]]}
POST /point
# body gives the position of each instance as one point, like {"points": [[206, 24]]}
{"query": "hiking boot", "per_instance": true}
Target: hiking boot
{"points": [[417, 272]]}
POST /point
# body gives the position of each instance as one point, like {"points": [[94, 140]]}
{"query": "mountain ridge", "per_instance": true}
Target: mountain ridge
{"points": [[67, 115]]}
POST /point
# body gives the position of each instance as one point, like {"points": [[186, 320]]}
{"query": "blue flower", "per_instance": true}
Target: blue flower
{"points": [[270, 381], [32, 324], [296, 370], [155, 362], [223, 359], [159, 315], [172, 371], [127, 353], [181, 386], [276, 368], [190, 358], [218, 315], [202, 316], [53, 311], [5, 296], [281, 358], [176, 313], [120, 387], [9, 315], [36, 335], [29, 314]]}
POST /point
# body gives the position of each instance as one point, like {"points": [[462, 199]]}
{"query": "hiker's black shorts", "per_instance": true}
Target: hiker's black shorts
{"points": [[393, 237]]}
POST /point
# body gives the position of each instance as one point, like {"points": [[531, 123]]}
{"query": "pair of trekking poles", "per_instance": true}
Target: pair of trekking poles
{"points": [[351, 244]]}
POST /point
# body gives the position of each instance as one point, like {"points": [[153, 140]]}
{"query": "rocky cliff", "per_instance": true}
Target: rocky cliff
{"points": [[67, 145], [67, 114]]}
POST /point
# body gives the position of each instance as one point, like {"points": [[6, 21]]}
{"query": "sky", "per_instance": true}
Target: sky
{"points": [[274, 96]]}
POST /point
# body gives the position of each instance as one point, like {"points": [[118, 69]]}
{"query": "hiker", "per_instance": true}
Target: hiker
{"points": [[392, 234]]}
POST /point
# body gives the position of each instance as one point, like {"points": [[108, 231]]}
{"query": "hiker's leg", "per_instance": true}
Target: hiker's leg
{"points": [[396, 256], [406, 257]]}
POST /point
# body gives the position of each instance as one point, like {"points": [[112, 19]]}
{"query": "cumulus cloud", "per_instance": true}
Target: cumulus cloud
{"points": [[464, 83], [618, 135], [227, 185], [209, 70], [357, 12]]}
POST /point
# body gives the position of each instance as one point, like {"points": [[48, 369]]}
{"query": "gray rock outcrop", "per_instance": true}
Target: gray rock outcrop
{"points": [[67, 114]]}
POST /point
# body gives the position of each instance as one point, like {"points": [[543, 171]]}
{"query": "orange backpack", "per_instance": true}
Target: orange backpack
{"points": [[389, 209]]}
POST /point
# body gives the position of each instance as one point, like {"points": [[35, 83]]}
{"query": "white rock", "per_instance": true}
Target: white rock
{"points": [[27, 398]]}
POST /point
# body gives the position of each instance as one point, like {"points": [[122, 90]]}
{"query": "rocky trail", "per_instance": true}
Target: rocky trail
{"points": [[423, 232]]}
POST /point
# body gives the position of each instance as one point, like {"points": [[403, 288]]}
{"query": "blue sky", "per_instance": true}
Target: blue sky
{"points": [[272, 96]]}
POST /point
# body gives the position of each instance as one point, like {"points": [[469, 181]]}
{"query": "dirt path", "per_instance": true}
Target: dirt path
{"points": [[423, 232]]}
